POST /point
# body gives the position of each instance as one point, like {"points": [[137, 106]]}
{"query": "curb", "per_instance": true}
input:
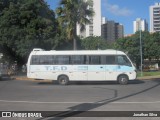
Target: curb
{"points": [[23, 78], [149, 77]]}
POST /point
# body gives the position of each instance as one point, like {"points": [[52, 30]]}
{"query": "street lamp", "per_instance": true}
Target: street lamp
{"points": [[140, 37]]}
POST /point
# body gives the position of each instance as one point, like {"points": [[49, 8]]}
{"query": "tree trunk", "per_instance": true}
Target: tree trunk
{"points": [[74, 44], [75, 37]]}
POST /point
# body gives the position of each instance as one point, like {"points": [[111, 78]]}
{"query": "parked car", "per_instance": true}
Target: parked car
{"points": [[3, 70]]}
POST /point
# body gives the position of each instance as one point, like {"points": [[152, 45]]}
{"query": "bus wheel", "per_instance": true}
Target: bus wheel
{"points": [[63, 80], [123, 79]]}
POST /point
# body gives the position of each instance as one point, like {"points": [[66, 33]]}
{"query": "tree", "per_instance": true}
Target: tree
{"points": [[24, 25], [155, 37], [94, 43], [73, 12], [130, 45]]}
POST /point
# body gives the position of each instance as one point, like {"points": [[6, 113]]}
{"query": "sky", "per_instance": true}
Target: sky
{"points": [[121, 11]]}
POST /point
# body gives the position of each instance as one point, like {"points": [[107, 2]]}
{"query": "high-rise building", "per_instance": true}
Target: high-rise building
{"points": [[155, 18], [111, 31], [140, 24], [93, 29], [104, 20]]}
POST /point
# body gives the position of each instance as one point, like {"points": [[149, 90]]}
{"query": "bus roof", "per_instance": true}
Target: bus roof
{"points": [[77, 52]]}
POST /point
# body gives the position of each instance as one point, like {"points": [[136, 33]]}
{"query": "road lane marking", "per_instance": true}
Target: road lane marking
{"points": [[38, 102], [136, 102], [8, 101]]}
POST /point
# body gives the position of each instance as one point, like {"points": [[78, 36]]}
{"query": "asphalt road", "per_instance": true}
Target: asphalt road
{"points": [[25, 95]]}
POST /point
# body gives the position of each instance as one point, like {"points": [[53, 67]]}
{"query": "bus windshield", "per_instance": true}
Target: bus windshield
{"points": [[123, 60]]}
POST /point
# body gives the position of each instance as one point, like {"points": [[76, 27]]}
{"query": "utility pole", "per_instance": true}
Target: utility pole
{"points": [[141, 54]]}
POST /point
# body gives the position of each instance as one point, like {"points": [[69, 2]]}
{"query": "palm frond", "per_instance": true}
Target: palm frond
{"points": [[73, 12]]}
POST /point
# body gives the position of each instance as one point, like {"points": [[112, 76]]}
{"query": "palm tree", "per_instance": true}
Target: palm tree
{"points": [[73, 12]]}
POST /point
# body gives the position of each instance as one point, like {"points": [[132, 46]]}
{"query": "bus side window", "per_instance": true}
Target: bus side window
{"points": [[48, 60], [78, 59], [34, 60], [103, 59], [42, 60], [61, 59], [94, 60], [110, 60]]}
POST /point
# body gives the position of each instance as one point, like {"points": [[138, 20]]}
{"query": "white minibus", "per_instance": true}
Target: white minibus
{"points": [[80, 65]]}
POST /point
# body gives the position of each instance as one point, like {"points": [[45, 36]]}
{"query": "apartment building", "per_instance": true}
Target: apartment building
{"points": [[140, 24], [155, 18], [111, 31], [93, 29]]}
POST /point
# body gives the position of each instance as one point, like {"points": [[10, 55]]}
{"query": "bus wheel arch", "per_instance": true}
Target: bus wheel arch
{"points": [[123, 79], [63, 79]]}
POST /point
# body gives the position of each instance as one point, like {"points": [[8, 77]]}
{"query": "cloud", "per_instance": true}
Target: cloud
{"points": [[117, 10]]}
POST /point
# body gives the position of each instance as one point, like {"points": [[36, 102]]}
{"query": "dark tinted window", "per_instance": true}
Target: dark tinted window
{"points": [[62, 59], [94, 60], [103, 59], [78, 59], [35, 60], [46, 59], [42, 59], [49, 59], [110, 60]]}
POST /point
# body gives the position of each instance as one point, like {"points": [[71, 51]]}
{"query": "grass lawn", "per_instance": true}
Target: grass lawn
{"points": [[152, 73]]}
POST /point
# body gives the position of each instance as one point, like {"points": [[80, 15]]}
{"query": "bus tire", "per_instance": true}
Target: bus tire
{"points": [[123, 79], [63, 80]]}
